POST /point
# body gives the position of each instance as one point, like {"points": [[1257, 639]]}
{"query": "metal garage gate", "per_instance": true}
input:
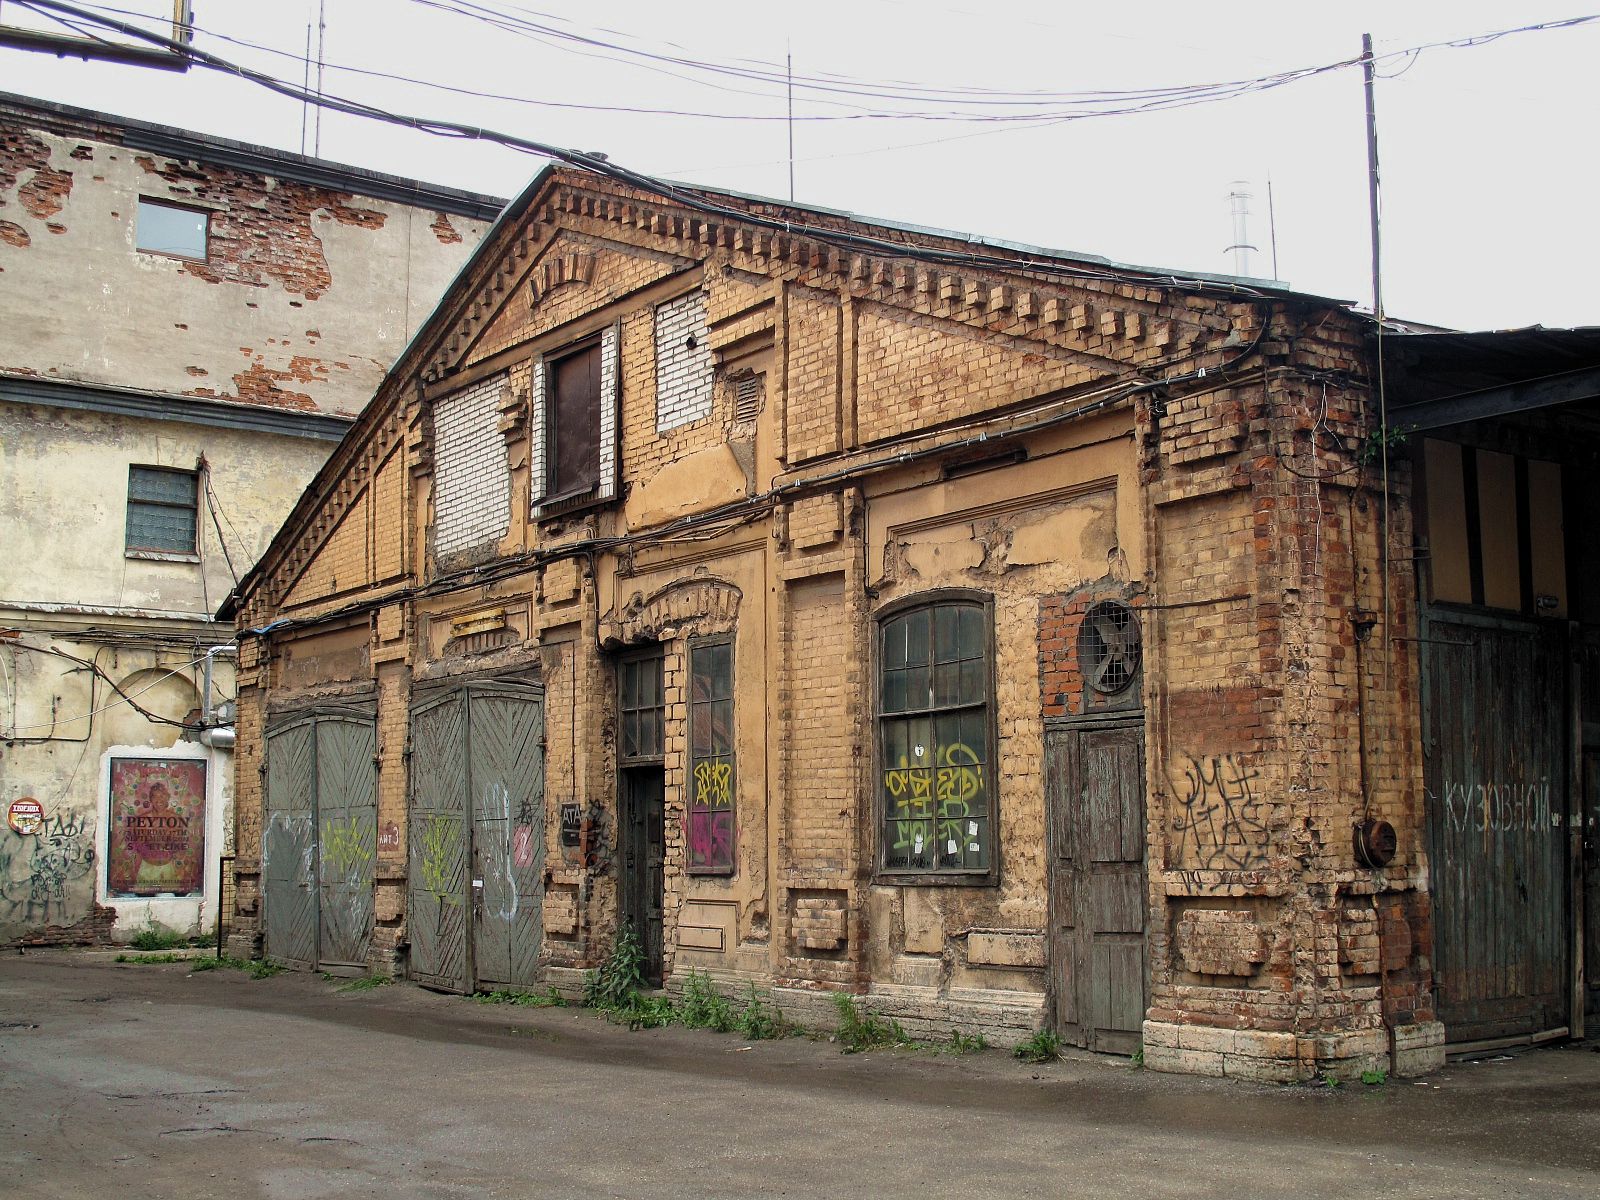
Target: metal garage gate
{"points": [[477, 834], [319, 844], [1495, 712]]}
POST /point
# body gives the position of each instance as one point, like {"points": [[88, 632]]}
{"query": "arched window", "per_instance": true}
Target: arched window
{"points": [[936, 739]]}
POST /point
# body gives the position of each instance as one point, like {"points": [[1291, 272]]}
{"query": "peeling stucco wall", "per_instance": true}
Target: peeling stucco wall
{"points": [[307, 294]]}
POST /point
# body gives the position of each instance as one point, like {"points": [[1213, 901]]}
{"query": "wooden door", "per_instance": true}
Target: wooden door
{"points": [[1496, 765], [288, 846], [347, 839], [437, 873], [643, 860], [1094, 784], [505, 762]]}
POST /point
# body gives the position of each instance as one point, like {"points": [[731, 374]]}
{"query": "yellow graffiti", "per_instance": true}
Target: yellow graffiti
{"points": [[440, 836], [713, 784], [343, 851], [946, 789]]}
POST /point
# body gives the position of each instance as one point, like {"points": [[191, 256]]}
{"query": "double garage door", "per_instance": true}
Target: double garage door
{"points": [[475, 870]]}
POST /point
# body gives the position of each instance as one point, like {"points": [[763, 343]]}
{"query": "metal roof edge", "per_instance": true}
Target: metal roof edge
{"points": [[190, 145], [164, 406]]}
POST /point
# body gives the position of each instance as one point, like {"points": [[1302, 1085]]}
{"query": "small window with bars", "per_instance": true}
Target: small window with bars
{"points": [[711, 758], [640, 708], [163, 510]]}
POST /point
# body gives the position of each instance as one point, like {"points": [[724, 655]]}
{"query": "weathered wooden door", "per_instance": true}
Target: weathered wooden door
{"points": [[347, 839], [1495, 713], [477, 801], [288, 851], [505, 764], [437, 894], [643, 860], [1094, 785]]}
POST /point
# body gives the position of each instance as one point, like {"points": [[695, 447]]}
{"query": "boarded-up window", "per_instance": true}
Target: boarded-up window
{"points": [[157, 827], [935, 735], [162, 509], [574, 446], [639, 708], [575, 424], [711, 758]]}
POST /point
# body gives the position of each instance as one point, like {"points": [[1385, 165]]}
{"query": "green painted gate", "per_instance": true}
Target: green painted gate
{"points": [[477, 827], [319, 841]]}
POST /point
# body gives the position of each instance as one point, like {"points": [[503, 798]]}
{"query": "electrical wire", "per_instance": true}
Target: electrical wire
{"points": [[599, 164], [123, 697]]}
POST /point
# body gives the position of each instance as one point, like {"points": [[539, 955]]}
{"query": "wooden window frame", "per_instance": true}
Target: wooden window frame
{"points": [[691, 788], [551, 502], [951, 876], [625, 662]]}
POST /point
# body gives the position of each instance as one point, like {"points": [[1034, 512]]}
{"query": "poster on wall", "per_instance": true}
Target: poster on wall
{"points": [[158, 827]]}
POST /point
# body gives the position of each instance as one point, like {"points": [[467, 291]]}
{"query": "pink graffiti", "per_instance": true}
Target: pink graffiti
{"points": [[522, 846], [711, 839]]}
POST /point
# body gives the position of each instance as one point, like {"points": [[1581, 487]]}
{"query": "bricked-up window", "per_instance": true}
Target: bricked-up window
{"points": [[640, 705], [935, 733], [574, 452], [711, 758], [172, 229], [472, 479], [163, 508]]}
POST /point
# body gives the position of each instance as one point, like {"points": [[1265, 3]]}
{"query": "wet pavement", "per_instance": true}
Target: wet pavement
{"points": [[119, 1082]]}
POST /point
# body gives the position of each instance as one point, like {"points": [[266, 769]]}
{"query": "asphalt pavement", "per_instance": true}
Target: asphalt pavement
{"points": [[121, 1081]]}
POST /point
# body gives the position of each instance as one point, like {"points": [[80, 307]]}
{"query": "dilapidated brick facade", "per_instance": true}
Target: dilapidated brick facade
{"points": [[1055, 598]]}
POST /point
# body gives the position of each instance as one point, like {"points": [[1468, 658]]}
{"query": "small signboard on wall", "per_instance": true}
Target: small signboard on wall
{"points": [[157, 827]]}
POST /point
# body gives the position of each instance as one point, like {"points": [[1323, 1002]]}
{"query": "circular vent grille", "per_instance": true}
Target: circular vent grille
{"points": [[1108, 647]]}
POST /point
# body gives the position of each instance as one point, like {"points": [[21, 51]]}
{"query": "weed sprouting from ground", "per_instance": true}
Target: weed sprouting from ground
{"points": [[756, 1021], [365, 983], [158, 937], [550, 998], [702, 1006], [965, 1043], [861, 1029], [256, 968], [1375, 1078], [1044, 1046], [613, 985], [151, 958]]}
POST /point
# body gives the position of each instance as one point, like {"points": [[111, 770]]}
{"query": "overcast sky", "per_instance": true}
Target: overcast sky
{"points": [[1489, 163]]}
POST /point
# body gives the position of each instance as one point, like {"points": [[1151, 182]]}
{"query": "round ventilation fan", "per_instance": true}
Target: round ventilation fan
{"points": [[1108, 647]]}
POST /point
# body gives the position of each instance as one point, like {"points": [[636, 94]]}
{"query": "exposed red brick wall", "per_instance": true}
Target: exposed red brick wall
{"points": [[265, 233]]}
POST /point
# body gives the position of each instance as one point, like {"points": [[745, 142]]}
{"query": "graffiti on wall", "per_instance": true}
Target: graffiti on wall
{"points": [[1220, 822], [158, 827], [1498, 807], [40, 874]]}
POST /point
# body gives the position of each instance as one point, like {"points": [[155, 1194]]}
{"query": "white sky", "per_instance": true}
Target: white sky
{"points": [[1488, 152]]}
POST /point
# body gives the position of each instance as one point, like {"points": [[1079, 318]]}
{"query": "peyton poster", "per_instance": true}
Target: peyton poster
{"points": [[158, 827]]}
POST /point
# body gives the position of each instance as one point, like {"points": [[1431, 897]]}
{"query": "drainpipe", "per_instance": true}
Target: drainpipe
{"points": [[218, 737]]}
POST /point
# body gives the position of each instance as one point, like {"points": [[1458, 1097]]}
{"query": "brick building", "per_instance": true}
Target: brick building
{"points": [[188, 325], [1001, 634]]}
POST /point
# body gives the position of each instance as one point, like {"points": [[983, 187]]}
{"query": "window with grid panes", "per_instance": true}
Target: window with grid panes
{"points": [[711, 758], [640, 706], [935, 732], [163, 508]]}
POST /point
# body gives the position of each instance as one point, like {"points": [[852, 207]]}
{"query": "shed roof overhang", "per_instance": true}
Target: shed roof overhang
{"points": [[1438, 380]]}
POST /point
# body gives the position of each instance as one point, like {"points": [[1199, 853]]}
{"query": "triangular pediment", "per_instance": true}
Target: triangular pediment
{"points": [[567, 273]]}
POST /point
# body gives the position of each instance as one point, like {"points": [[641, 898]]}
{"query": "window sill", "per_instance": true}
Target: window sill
{"points": [[162, 556], [990, 878]]}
